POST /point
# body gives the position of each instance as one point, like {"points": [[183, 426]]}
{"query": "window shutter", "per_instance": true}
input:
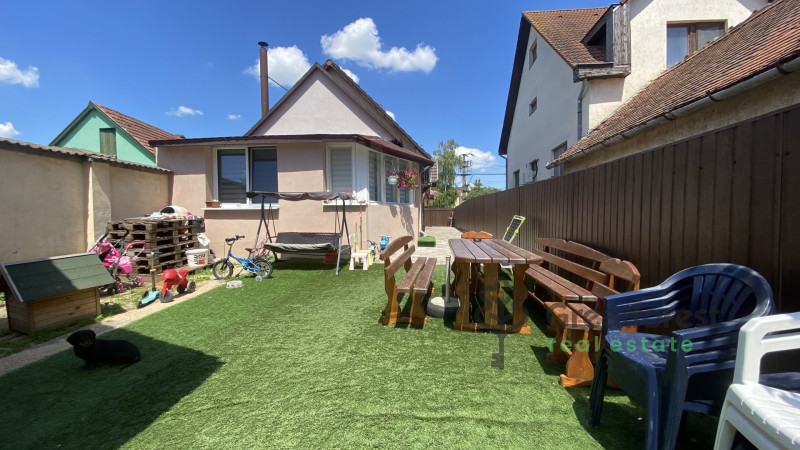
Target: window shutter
{"points": [[374, 176], [341, 165], [108, 141]]}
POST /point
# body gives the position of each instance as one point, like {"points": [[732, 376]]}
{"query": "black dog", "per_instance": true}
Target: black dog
{"points": [[94, 351]]}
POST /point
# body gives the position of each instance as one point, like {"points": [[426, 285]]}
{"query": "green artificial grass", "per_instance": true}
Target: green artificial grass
{"points": [[301, 360], [427, 241]]}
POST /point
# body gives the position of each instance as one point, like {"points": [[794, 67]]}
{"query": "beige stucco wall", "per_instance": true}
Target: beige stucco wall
{"points": [[649, 20], [301, 168], [320, 106], [58, 206], [772, 96]]}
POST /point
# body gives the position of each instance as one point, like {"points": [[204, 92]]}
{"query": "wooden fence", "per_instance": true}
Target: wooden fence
{"points": [[730, 195], [436, 217]]}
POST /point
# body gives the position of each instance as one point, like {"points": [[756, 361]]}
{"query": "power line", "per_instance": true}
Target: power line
{"points": [[273, 80]]}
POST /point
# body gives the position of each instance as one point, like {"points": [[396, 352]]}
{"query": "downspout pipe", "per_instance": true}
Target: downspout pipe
{"points": [[584, 87], [775, 72]]}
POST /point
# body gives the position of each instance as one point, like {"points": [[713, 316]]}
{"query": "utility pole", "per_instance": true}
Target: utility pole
{"points": [[465, 165]]}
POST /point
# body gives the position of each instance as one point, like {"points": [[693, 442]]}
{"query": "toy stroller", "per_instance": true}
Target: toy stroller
{"points": [[120, 264]]}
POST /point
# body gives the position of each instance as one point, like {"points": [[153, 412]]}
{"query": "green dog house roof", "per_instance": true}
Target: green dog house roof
{"points": [[42, 278]]}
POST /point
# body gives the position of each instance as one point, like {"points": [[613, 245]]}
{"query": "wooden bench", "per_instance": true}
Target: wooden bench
{"points": [[576, 308], [416, 282], [577, 322]]}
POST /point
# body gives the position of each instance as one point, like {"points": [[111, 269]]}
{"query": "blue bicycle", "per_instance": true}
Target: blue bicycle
{"points": [[258, 266]]}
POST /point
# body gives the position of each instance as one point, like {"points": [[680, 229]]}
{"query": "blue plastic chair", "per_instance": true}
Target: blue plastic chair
{"points": [[691, 368]]}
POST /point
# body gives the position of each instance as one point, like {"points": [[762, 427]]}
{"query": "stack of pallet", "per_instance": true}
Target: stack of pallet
{"points": [[169, 238]]}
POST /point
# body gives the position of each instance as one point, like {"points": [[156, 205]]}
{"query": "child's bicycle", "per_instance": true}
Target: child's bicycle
{"points": [[259, 266]]}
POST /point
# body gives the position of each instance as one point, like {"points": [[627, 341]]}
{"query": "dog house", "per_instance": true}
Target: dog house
{"points": [[52, 292]]}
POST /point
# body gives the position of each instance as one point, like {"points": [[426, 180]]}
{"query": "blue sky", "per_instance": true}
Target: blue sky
{"points": [[442, 68]]}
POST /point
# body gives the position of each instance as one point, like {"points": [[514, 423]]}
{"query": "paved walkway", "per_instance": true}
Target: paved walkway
{"points": [[442, 249]]}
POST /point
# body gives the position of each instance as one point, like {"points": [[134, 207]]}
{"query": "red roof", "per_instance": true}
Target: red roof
{"points": [[142, 132], [564, 30], [768, 38]]}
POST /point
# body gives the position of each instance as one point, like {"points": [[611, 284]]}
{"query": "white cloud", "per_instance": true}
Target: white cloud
{"points": [[7, 130], [391, 114], [184, 111], [359, 42], [286, 65], [480, 160], [10, 73], [234, 116], [351, 75]]}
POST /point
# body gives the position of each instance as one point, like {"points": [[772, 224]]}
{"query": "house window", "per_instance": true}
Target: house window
{"points": [[532, 55], [240, 170], [516, 178], [534, 165], [532, 106], [686, 38], [108, 141], [340, 160], [558, 151], [374, 176], [404, 194], [390, 190]]}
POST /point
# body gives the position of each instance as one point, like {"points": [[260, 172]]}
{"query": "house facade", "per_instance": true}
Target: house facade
{"points": [[325, 134], [751, 72], [103, 130], [574, 68]]}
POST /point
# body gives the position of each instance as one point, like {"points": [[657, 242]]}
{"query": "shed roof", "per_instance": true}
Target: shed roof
{"points": [[40, 278], [767, 39]]}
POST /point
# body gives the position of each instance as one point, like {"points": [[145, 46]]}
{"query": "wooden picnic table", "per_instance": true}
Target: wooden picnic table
{"points": [[491, 253]]}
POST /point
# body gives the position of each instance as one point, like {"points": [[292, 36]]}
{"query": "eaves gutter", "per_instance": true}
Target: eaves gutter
{"points": [[773, 73]]}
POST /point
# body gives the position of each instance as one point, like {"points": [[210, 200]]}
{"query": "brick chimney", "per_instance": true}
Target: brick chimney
{"points": [[262, 56]]}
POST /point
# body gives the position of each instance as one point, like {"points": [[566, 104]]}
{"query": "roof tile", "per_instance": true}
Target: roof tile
{"points": [[142, 132], [564, 30]]}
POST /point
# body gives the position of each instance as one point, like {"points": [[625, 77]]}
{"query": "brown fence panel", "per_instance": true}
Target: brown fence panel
{"points": [[436, 217], [729, 195]]}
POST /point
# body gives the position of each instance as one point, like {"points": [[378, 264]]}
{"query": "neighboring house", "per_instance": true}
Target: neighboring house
{"points": [[103, 130], [325, 134], [573, 68], [752, 71]]}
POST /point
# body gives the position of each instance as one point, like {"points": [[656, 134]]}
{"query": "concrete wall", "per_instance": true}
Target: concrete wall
{"points": [[555, 120], [86, 135], [301, 168], [772, 96], [59, 206]]}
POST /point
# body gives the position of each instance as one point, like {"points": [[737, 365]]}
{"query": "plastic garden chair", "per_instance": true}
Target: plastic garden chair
{"points": [[691, 368], [767, 416]]}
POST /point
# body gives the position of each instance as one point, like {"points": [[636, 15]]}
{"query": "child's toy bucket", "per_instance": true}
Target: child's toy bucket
{"points": [[197, 257]]}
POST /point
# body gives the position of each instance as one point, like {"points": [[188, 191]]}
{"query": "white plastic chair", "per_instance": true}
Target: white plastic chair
{"points": [[768, 417]]}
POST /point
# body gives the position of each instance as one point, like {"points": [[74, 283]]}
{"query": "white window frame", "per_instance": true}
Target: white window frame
{"points": [[249, 203], [328, 169]]}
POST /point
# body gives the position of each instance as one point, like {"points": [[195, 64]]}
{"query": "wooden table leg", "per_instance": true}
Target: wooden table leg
{"points": [[490, 308], [462, 321], [520, 295]]}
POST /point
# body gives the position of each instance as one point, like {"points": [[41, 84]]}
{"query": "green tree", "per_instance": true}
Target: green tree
{"points": [[449, 163], [479, 189]]}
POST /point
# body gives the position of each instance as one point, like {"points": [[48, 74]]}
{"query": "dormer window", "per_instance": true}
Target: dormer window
{"points": [[532, 54], [683, 39]]}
